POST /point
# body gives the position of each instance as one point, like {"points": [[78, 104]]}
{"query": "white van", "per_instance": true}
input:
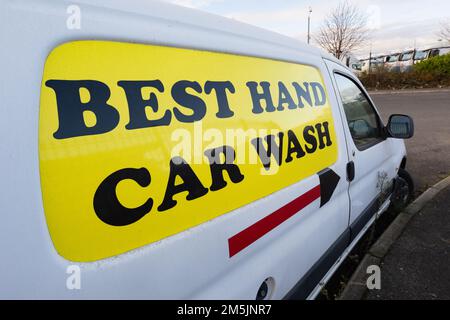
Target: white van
{"points": [[406, 60], [155, 152], [392, 62], [439, 51], [353, 63], [374, 64], [421, 55]]}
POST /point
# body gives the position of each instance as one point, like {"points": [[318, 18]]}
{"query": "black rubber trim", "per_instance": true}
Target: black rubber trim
{"points": [[364, 217], [315, 274], [311, 279], [403, 164]]}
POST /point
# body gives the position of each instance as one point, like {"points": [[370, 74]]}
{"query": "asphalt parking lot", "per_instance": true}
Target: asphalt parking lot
{"points": [[429, 149]]}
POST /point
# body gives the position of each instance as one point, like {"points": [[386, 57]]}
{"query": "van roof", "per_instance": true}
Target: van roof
{"points": [[186, 18]]}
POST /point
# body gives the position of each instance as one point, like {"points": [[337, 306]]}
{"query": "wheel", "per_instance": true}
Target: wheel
{"points": [[403, 192]]}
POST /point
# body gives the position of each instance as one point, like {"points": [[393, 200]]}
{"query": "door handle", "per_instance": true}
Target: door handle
{"points": [[350, 171]]}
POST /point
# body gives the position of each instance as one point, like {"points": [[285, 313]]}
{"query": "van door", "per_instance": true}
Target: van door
{"points": [[372, 162]]}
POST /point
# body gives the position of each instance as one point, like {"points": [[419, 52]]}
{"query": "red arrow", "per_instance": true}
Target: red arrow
{"points": [[328, 182]]}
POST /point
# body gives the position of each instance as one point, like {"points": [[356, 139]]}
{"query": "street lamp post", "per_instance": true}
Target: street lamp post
{"points": [[309, 25]]}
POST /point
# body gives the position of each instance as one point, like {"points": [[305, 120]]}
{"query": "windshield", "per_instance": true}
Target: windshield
{"points": [[420, 55], [392, 58], [356, 66], [407, 56]]}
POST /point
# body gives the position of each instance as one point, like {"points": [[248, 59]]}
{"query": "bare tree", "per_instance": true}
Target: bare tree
{"points": [[444, 33], [343, 30]]}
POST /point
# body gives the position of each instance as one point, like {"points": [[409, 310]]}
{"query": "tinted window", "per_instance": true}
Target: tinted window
{"points": [[393, 58], [420, 55], [434, 52], [362, 119], [407, 56]]}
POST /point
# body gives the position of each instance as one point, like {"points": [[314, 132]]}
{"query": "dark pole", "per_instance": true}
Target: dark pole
{"points": [[309, 25]]}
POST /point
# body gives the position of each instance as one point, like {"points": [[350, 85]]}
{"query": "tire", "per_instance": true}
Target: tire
{"points": [[403, 192]]}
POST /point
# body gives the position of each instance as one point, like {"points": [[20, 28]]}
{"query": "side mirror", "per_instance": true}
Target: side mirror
{"points": [[400, 126]]}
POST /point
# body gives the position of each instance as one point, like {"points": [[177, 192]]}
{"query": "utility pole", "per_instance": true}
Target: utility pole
{"points": [[309, 25]]}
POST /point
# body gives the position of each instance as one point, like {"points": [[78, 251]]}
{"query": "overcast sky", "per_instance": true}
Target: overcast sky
{"points": [[395, 24]]}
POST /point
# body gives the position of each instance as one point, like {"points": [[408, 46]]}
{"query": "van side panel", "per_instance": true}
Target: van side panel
{"points": [[194, 263]]}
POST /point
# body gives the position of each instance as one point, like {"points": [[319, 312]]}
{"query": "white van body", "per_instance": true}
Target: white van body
{"points": [[406, 60], [373, 63], [392, 62], [353, 63], [421, 55], [439, 51], [298, 257]]}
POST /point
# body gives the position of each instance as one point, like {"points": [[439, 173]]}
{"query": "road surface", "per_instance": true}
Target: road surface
{"points": [[429, 149], [417, 264]]}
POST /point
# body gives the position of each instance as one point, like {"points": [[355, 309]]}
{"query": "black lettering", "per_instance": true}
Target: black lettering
{"points": [[196, 104], [293, 147], [71, 109], [323, 134], [109, 209], [217, 167], [221, 87], [137, 104], [257, 97], [191, 183], [272, 149], [284, 97], [303, 94], [310, 139]]}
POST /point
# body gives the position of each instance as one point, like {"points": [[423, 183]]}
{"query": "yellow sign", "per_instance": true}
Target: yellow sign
{"points": [[141, 142]]}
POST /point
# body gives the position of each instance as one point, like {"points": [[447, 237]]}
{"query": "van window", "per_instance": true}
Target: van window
{"points": [[434, 53], [407, 56], [356, 66], [421, 55], [363, 121], [392, 58]]}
